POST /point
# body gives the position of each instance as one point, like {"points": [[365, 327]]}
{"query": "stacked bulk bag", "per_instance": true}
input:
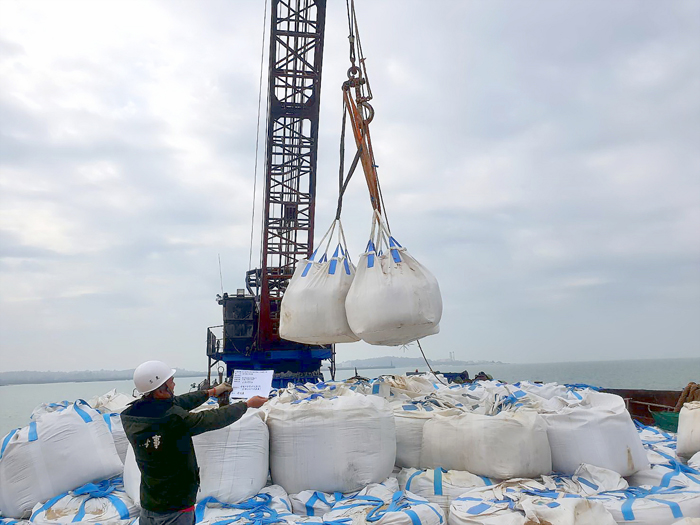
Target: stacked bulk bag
{"points": [[440, 486], [61, 451], [112, 401], [331, 445], [103, 502], [672, 474], [313, 306], [404, 508], [689, 429], [651, 506], [511, 444], [598, 431], [410, 419], [492, 505], [233, 461], [393, 299], [565, 511]]}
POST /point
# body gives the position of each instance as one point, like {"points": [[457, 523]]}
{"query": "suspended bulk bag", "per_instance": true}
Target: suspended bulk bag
{"points": [[60, 452], [511, 444], [689, 429], [393, 299], [331, 445], [313, 306]]}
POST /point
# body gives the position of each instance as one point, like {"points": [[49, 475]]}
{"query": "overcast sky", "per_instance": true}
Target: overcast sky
{"points": [[541, 158]]}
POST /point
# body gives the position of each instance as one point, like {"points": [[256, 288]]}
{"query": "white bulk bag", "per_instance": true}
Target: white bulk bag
{"points": [[588, 480], [59, 452], [258, 509], [313, 502], [393, 299], [404, 508], [470, 510], [508, 445], [104, 502], [112, 401], [313, 306], [689, 429], [671, 474], [409, 419], [605, 437], [233, 461], [656, 507], [440, 486], [331, 445]]}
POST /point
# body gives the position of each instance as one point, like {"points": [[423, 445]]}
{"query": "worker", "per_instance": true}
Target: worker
{"points": [[160, 426]]}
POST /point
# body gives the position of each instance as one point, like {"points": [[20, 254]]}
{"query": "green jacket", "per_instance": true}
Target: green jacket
{"points": [[160, 432]]}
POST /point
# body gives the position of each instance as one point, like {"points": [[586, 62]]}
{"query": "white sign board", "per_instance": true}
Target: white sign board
{"points": [[249, 383]]}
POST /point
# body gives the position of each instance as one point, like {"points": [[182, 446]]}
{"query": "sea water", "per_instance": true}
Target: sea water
{"points": [[18, 401]]}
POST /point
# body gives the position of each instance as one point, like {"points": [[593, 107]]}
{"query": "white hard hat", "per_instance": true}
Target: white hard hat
{"points": [[150, 375]]}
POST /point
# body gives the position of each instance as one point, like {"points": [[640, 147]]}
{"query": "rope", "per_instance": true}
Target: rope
{"points": [[257, 139], [426, 362], [690, 393]]}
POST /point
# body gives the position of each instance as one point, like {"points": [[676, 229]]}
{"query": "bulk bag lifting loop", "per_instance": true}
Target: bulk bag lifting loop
{"points": [[313, 306]]}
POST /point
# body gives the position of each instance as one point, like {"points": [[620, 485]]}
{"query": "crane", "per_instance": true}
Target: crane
{"points": [[251, 317], [250, 337]]}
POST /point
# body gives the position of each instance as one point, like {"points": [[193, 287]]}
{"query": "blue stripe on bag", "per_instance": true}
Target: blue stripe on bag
{"points": [[626, 508], [108, 420], [84, 415], [675, 508], [478, 509], [47, 505], [306, 269], [7, 439], [437, 481], [395, 255], [375, 388], [486, 481], [415, 520], [587, 483], [370, 260], [331, 267], [408, 483], [33, 436]]}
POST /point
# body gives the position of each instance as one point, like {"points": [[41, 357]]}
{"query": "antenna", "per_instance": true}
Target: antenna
{"points": [[221, 277]]}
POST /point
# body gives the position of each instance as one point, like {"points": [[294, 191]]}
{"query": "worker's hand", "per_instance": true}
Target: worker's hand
{"points": [[256, 402], [220, 389]]}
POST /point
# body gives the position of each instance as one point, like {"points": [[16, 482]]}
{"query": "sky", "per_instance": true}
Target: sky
{"points": [[540, 158]]}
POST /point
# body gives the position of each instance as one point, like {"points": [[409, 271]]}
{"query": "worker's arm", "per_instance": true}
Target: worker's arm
{"points": [[199, 422], [191, 400], [220, 417], [194, 399]]}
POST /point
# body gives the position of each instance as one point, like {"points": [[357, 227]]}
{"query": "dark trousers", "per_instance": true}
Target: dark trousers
{"points": [[172, 518]]}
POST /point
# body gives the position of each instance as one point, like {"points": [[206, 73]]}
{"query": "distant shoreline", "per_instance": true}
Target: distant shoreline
{"points": [[43, 378]]}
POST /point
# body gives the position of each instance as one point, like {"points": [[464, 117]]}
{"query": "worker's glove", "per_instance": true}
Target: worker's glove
{"points": [[256, 402], [220, 389]]}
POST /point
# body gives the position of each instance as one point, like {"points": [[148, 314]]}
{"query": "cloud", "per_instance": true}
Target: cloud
{"points": [[540, 158]]}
